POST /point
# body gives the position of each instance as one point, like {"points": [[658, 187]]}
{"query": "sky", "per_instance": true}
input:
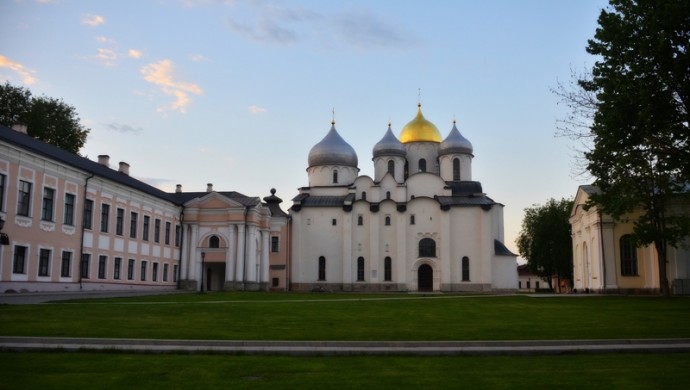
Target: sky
{"points": [[236, 93]]}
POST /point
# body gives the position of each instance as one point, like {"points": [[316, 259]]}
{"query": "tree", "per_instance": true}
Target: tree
{"points": [[48, 119], [641, 146], [545, 240]]}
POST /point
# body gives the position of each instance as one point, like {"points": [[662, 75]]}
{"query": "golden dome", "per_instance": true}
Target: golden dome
{"points": [[420, 130]]}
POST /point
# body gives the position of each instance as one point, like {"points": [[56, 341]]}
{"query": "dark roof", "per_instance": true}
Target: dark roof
{"points": [[501, 250], [184, 197], [465, 188], [465, 201], [323, 201], [273, 203], [74, 160]]}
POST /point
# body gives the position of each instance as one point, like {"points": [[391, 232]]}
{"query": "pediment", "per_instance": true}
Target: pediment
{"points": [[214, 201]]}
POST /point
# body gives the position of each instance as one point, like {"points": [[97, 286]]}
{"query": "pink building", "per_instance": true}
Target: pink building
{"points": [[75, 224]]}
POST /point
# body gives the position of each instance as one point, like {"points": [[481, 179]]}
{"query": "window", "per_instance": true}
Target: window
{"points": [[105, 215], [157, 230], [628, 256], [130, 269], [44, 262], [84, 265], [275, 244], [387, 269], [334, 222], [88, 214], [275, 282], [360, 220], [143, 271], [360, 269], [48, 202], [167, 233], [529, 284], [364, 195], [133, 217], [24, 198], [387, 220], [154, 272], [119, 221], [3, 180], [102, 263], [214, 242], [422, 165], [412, 219], [178, 234], [165, 272], [456, 169], [19, 264], [175, 273], [68, 218], [391, 167], [519, 284], [536, 285], [322, 268], [388, 194], [66, 264], [335, 176], [465, 269], [427, 247], [146, 228], [117, 266]]}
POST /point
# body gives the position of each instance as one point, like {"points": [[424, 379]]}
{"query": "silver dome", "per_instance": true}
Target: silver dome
{"points": [[389, 145], [332, 150], [455, 143]]}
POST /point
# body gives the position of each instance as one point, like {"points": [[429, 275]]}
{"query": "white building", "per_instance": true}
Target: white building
{"points": [[421, 224]]}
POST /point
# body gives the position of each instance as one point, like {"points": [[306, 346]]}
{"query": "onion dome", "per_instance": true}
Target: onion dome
{"points": [[419, 130], [332, 150], [455, 143], [389, 145]]}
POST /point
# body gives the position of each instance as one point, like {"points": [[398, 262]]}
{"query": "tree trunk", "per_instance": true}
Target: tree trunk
{"points": [[660, 246]]}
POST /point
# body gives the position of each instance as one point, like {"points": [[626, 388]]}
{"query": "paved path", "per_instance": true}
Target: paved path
{"points": [[331, 348]]}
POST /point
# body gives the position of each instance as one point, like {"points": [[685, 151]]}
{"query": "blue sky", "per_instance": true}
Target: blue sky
{"points": [[236, 93]]}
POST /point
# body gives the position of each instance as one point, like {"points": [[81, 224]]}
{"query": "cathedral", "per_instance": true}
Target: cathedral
{"points": [[420, 224]]}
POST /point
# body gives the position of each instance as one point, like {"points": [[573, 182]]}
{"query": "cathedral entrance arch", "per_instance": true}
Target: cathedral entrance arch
{"points": [[425, 278]]}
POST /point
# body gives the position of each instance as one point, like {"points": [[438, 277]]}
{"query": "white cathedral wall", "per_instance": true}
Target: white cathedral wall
{"points": [[381, 168], [446, 163], [322, 175], [425, 150]]}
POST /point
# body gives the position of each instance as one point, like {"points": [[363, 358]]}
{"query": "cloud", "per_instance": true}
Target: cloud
{"points": [[161, 75], [26, 74], [92, 20], [123, 128], [106, 56], [198, 58], [133, 53], [364, 31], [273, 24], [255, 110]]}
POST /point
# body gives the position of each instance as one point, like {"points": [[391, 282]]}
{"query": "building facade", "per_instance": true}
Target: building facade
{"points": [[605, 258], [421, 224]]}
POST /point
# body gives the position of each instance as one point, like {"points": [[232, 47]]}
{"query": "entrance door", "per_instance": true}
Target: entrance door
{"points": [[425, 278]]}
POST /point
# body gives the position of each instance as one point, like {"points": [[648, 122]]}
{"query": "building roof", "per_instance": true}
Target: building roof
{"points": [[501, 250], [273, 203], [76, 161], [247, 201], [332, 150], [420, 130], [455, 143], [389, 145]]}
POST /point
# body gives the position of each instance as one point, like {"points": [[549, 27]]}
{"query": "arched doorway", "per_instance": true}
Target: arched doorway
{"points": [[425, 278]]}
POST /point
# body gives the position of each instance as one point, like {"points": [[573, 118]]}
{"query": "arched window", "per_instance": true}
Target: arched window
{"points": [[387, 220], [388, 194], [214, 242], [412, 219], [628, 256], [387, 269], [364, 195], [360, 220], [335, 176], [322, 268], [427, 247], [391, 167], [456, 169], [360, 269], [422, 165], [465, 269]]}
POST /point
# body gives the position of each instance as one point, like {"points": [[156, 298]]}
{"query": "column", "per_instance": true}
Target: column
{"points": [[239, 269], [229, 263], [251, 254], [264, 256], [194, 258], [184, 253]]}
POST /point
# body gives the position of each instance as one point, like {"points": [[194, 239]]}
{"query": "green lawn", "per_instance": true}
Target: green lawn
{"points": [[266, 316], [137, 371]]}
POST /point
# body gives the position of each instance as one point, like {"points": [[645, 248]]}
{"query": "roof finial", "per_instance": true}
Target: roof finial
{"points": [[419, 97], [333, 120], [389, 122], [453, 119]]}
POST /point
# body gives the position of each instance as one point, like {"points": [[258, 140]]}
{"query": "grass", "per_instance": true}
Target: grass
{"points": [[266, 316], [119, 370]]}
